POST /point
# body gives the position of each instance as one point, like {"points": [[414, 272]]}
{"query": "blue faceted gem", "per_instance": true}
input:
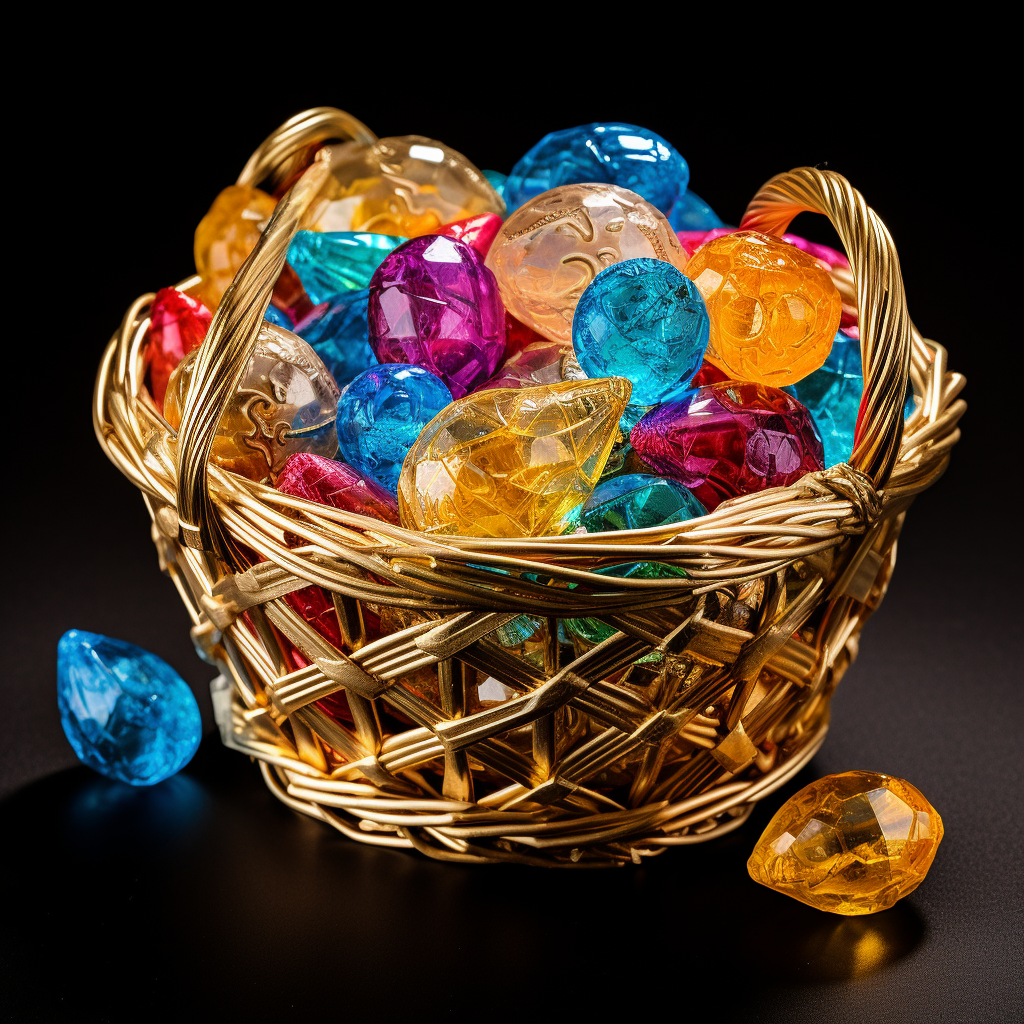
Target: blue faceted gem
{"points": [[497, 181], [125, 712], [274, 316], [329, 262], [690, 213], [644, 320], [636, 501], [614, 154], [337, 330], [382, 413]]}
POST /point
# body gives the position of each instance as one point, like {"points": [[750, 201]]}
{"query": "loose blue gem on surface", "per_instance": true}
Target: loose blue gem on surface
{"points": [[614, 154], [690, 213], [644, 320], [338, 332], [329, 262], [382, 413], [636, 501], [126, 713]]}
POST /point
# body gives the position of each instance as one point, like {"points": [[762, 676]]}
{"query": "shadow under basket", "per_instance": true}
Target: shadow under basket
{"points": [[453, 717]]}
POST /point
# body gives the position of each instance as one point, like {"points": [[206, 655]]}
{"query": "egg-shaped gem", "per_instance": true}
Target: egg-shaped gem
{"points": [[407, 185], [774, 309], [690, 213], [126, 713], [539, 363], [330, 262], [381, 414], [285, 403], [178, 324], [728, 439], [636, 501], [434, 303], [511, 463], [553, 247], [644, 320], [226, 236], [615, 154], [337, 332]]}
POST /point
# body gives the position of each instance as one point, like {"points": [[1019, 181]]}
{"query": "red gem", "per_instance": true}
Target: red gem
{"points": [[728, 439], [518, 336], [479, 231], [290, 297], [708, 374], [178, 325]]}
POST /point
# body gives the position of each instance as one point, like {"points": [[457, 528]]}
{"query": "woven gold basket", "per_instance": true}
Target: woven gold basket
{"points": [[604, 756]]}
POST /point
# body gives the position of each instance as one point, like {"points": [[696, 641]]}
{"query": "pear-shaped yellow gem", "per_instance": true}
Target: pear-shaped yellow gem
{"points": [[511, 462], [852, 844]]}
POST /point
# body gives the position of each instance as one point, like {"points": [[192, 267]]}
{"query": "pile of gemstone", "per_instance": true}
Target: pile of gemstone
{"points": [[579, 346]]}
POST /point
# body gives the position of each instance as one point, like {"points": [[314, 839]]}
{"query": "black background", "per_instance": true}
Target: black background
{"points": [[204, 894]]}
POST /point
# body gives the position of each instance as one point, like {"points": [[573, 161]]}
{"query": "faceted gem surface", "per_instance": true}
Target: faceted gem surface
{"points": [[274, 316], [381, 414], [518, 336], [723, 440], [635, 501], [644, 320], [178, 324], [407, 185], [479, 231], [539, 363], [774, 309], [286, 403], [690, 213], [328, 482], [497, 181], [616, 154], [592, 630], [851, 844], [335, 261], [126, 713], [553, 247], [434, 303], [338, 333], [511, 463], [227, 234]]}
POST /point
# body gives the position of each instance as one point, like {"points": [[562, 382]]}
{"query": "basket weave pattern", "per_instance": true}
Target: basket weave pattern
{"points": [[598, 759]]}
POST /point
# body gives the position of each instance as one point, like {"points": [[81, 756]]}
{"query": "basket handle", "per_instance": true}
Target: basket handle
{"points": [[885, 327]]}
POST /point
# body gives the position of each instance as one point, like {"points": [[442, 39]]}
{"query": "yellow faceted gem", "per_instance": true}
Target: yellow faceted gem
{"points": [[511, 462], [550, 249], [226, 236], [774, 309], [406, 186], [851, 844]]}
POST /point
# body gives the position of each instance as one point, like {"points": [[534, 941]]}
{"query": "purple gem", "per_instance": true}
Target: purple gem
{"points": [[433, 303]]}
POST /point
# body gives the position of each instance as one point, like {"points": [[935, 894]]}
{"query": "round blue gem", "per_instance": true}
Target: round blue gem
{"points": [[126, 713], [338, 332], [613, 154], [690, 213], [644, 320], [382, 413]]}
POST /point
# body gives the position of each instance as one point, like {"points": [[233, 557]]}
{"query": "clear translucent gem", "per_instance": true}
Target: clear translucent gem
{"points": [[126, 713]]}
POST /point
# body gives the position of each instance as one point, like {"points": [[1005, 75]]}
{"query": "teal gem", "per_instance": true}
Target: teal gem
{"points": [[126, 713], [497, 180], [337, 332], [637, 501], [832, 396], [274, 316], [328, 262], [690, 213]]}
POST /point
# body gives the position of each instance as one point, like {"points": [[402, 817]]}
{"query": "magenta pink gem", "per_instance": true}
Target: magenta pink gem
{"points": [[539, 363], [434, 303], [479, 231], [728, 439], [315, 478]]}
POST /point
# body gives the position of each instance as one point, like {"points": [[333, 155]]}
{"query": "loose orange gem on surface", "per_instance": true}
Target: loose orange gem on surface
{"points": [[851, 844], [774, 309], [226, 236]]}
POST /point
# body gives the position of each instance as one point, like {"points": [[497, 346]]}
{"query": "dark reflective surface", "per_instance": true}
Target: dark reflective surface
{"points": [[207, 882]]}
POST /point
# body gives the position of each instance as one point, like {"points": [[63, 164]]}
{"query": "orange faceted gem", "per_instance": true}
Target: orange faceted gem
{"points": [[852, 844], [226, 236], [774, 309]]}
